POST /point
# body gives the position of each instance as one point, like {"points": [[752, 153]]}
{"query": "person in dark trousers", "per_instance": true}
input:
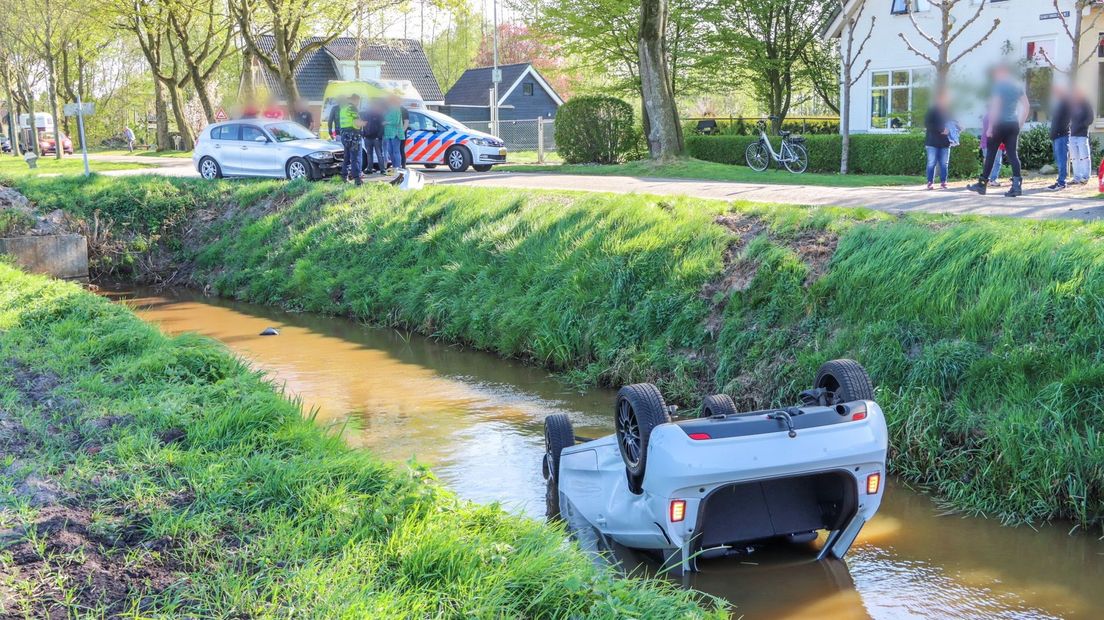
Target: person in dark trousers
{"points": [[985, 146], [345, 122], [373, 137], [406, 127], [302, 114], [1008, 107], [1060, 134], [937, 142], [1082, 116]]}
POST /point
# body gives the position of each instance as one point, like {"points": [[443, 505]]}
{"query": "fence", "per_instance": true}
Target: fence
{"points": [[524, 135]]}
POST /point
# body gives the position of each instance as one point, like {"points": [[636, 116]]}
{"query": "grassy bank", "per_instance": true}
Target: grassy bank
{"points": [[709, 171], [983, 335], [148, 476], [70, 164]]}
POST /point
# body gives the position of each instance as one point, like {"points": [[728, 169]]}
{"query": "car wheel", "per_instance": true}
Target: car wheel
{"points": [[482, 167], [846, 379], [640, 408], [209, 168], [558, 434], [458, 158], [297, 168], [718, 404], [429, 166]]}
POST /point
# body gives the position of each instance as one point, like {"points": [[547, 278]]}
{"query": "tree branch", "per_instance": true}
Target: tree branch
{"points": [[993, 28], [912, 49]]}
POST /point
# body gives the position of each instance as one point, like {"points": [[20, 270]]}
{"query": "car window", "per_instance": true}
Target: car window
{"points": [[253, 134], [421, 122], [286, 132], [225, 132]]}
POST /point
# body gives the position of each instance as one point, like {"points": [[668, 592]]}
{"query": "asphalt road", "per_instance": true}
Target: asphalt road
{"points": [[1036, 203]]}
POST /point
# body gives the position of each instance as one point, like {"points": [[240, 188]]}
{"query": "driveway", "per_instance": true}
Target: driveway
{"points": [[1036, 203]]}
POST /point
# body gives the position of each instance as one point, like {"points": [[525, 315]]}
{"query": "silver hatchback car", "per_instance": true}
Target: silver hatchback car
{"points": [[259, 147]]}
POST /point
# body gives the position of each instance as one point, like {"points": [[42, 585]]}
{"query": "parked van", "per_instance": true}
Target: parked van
{"points": [[432, 139]]}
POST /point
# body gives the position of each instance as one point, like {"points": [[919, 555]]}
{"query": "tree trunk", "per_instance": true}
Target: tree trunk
{"points": [[248, 87], [665, 133], [178, 113], [201, 93], [161, 115], [13, 114]]}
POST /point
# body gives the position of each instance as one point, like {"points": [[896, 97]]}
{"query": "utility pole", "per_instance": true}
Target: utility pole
{"points": [[496, 73]]}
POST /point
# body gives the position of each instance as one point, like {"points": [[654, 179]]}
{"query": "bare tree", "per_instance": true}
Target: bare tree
{"points": [[664, 132], [941, 57], [848, 78], [1075, 32]]}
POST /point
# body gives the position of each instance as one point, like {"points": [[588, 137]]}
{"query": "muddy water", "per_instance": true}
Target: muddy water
{"points": [[476, 419]]}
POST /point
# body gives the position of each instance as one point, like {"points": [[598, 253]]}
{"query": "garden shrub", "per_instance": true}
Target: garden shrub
{"points": [[870, 153], [596, 129], [746, 126], [1035, 147]]}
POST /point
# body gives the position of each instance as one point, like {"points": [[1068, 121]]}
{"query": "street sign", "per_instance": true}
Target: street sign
{"points": [[84, 109], [221, 115], [496, 75], [1046, 16]]}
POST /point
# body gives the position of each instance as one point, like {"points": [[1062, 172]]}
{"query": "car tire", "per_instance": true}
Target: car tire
{"points": [[209, 168], [429, 166], [640, 408], [481, 167], [847, 379], [458, 159], [558, 434], [297, 168], [718, 404]]}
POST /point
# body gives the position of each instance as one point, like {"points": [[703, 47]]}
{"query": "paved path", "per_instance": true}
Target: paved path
{"points": [[1036, 203]]}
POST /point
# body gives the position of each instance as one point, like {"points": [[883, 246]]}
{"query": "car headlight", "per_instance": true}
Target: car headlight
{"points": [[321, 156], [486, 142]]}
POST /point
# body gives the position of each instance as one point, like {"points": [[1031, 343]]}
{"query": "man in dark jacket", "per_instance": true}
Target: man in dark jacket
{"points": [[1059, 134], [1081, 118], [373, 137]]}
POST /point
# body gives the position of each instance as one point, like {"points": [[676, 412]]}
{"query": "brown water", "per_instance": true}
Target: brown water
{"points": [[477, 420]]}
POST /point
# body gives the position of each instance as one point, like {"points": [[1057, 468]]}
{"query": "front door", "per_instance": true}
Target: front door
{"points": [[259, 154]]}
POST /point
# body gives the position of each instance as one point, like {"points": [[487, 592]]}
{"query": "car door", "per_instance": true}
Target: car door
{"points": [[256, 151], [422, 139], [224, 148]]}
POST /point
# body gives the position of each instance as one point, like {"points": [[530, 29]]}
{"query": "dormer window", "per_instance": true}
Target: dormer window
{"points": [[902, 7]]}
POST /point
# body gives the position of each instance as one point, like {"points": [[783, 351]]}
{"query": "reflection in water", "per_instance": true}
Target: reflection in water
{"points": [[477, 420]]}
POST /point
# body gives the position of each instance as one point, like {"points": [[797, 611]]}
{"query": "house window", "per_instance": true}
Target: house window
{"points": [[1100, 45], [900, 7], [527, 89], [897, 97]]}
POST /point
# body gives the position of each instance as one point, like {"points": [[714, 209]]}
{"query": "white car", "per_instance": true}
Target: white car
{"points": [[258, 147], [434, 139], [726, 482]]}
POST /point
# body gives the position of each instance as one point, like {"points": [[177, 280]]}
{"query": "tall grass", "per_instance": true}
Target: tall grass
{"points": [[261, 513], [983, 335]]}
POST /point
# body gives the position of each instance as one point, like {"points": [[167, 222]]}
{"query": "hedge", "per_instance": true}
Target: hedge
{"points": [[596, 130], [870, 153], [747, 126]]}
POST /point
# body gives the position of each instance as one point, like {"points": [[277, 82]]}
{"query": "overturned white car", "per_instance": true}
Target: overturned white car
{"points": [[727, 481]]}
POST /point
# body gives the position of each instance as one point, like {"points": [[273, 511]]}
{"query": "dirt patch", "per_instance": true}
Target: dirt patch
{"points": [[60, 559], [738, 273], [74, 569], [815, 248]]}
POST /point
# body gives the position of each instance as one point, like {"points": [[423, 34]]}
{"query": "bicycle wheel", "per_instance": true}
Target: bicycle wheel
{"points": [[757, 156], [798, 159]]}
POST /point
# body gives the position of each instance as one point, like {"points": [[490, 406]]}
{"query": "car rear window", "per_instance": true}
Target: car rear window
{"points": [[225, 132]]}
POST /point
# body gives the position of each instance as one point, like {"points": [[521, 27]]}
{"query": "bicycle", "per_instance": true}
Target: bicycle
{"points": [[791, 154]]}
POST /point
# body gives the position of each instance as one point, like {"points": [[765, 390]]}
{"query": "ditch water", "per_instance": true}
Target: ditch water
{"points": [[477, 419]]}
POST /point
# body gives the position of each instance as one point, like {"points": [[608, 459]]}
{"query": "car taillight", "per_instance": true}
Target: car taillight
{"points": [[873, 481], [858, 415], [678, 510], [700, 436]]}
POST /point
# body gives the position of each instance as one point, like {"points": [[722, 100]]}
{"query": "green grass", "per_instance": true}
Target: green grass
{"points": [[254, 510], [530, 157], [70, 164], [143, 153], [709, 171], [983, 335]]}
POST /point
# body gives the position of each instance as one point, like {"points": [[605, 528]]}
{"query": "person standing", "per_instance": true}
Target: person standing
{"points": [[128, 135], [406, 128], [345, 121], [302, 114], [393, 132], [373, 137], [1008, 107], [985, 146], [1081, 118], [1060, 134], [937, 141]]}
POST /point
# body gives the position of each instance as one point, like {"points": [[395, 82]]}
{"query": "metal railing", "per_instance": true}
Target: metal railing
{"points": [[536, 134]]}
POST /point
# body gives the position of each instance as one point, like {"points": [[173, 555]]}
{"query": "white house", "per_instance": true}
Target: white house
{"points": [[895, 88]]}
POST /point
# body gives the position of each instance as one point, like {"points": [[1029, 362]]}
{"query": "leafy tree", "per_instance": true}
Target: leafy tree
{"points": [[762, 42], [518, 43], [454, 49]]}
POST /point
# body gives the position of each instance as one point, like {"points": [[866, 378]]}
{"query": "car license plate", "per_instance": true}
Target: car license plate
{"points": [[502, 152]]}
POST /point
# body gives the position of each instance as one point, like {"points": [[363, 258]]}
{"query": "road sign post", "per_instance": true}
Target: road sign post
{"points": [[79, 110]]}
